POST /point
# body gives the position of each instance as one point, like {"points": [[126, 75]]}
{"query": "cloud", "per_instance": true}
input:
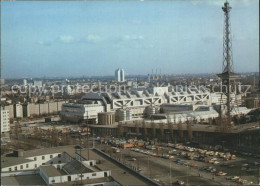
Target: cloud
{"points": [[48, 43], [66, 39], [133, 37], [92, 38]]}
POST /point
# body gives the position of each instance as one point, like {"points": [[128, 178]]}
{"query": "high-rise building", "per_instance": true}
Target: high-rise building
{"points": [[25, 82], [5, 121], [117, 74], [120, 75]]}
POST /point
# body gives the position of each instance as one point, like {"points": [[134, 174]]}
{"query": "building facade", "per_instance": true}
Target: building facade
{"points": [[120, 75], [5, 121]]}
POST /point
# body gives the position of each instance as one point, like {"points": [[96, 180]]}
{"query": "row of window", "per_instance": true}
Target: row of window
{"points": [[21, 167], [35, 166], [27, 166], [43, 157]]}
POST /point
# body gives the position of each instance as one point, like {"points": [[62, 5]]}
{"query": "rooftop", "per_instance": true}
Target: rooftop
{"points": [[10, 161], [32, 179], [52, 171]]}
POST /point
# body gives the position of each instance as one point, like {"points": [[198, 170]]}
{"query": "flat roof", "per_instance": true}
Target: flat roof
{"points": [[11, 161], [51, 171], [117, 172], [33, 179]]}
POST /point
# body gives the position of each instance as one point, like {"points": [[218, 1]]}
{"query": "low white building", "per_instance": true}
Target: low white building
{"points": [[54, 165], [81, 112]]}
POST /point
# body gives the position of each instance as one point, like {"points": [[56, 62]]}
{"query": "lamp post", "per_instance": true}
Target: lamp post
{"points": [[170, 173]]}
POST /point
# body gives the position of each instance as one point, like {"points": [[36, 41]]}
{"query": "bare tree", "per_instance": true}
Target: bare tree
{"points": [[54, 137], [144, 128], [189, 129], [48, 136], [161, 129], [170, 126], [120, 129], [137, 127], [180, 129], [153, 129], [222, 125], [66, 139], [17, 130]]}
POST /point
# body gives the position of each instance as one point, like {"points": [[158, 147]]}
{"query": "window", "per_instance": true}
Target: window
{"points": [[59, 161], [43, 163], [10, 169], [15, 168], [43, 157], [94, 174], [35, 158], [51, 156], [59, 155], [27, 165], [35, 166], [21, 166]]}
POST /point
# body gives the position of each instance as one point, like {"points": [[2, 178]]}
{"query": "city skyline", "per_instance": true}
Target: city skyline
{"points": [[94, 38]]}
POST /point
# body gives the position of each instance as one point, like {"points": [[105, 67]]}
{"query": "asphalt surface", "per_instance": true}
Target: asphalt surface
{"points": [[160, 169]]}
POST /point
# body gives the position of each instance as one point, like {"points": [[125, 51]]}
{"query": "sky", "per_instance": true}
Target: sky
{"points": [[94, 38]]}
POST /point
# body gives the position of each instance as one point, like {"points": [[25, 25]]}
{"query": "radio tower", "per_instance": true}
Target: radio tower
{"points": [[227, 76]]}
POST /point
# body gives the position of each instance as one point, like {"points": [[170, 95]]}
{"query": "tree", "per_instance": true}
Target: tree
{"points": [[144, 128], [66, 139], [153, 129], [179, 126], [48, 136], [170, 127], [54, 137], [161, 129], [120, 129], [137, 127], [189, 130], [17, 130]]}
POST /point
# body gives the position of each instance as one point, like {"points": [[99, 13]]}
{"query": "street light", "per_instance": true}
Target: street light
{"points": [[170, 173]]}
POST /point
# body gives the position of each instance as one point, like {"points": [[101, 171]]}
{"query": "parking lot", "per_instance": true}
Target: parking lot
{"points": [[174, 163]]}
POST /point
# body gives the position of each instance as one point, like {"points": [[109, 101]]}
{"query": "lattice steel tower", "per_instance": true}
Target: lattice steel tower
{"points": [[227, 76]]}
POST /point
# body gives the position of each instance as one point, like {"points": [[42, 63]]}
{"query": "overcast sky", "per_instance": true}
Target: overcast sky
{"points": [[94, 38]]}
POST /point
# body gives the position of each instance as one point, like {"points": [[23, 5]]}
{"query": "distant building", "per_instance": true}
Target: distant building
{"points": [[5, 121], [38, 109], [18, 110], [37, 83], [87, 110], [120, 75], [25, 82], [2, 81]]}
